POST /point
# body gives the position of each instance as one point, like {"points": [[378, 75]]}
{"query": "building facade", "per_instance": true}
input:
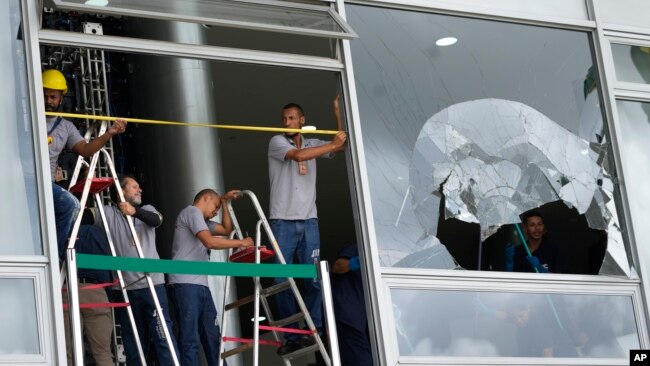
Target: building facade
{"points": [[462, 115]]}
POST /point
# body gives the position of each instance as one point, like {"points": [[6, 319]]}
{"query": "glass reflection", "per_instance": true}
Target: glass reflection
{"points": [[19, 219], [19, 332], [634, 119], [632, 63], [461, 140], [490, 324], [239, 13]]}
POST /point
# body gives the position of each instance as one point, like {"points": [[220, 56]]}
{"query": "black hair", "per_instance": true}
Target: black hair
{"points": [[205, 192], [294, 105], [121, 180], [532, 213]]}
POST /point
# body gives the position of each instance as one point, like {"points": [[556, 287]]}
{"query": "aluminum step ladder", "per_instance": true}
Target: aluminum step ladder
{"points": [[260, 298], [94, 185]]}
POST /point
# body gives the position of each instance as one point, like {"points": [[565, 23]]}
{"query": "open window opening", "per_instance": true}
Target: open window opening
{"points": [[174, 163]]}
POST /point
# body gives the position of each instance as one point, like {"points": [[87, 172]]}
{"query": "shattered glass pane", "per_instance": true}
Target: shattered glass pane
{"points": [[495, 159], [466, 138]]}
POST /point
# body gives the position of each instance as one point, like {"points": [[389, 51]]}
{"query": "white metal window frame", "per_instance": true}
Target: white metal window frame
{"points": [[615, 90], [577, 286], [42, 293], [377, 277], [49, 299], [164, 48], [476, 10], [617, 37], [347, 32]]}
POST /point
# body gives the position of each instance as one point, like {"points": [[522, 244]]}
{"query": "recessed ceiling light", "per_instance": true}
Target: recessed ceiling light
{"points": [[446, 41]]}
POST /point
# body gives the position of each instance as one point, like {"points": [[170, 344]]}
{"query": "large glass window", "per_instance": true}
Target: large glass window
{"points": [[19, 218], [632, 63], [19, 331], [510, 324], [467, 124], [270, 16], [634, 119]]}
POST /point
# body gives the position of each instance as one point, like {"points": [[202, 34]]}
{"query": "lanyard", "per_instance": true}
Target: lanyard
{"points": [[56, 124]]}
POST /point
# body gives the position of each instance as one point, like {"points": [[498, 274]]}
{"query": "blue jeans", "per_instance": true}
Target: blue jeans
{"points": [[197, 323], [299, 239], [149, 326], [66, 208]]}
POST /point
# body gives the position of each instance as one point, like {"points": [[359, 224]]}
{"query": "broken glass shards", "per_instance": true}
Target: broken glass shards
{"points": [[494, 159]]}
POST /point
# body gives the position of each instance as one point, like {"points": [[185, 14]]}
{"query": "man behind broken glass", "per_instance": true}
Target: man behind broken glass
{"points": [[544, 254]]}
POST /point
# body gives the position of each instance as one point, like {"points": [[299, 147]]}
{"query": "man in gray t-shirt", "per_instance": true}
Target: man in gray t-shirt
{"points": [[194, 236], [62, 134], [293, 216], [145, 220]]}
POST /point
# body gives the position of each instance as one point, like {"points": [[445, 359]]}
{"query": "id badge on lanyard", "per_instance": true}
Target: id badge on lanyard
{"points": [[50, 139], [302, 168], [302, 165]]}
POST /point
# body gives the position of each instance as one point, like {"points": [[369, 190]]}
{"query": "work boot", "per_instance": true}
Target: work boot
{"points": [[289, 347], [306, 341]]}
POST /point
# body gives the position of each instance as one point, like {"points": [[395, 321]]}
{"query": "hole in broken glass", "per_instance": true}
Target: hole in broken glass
{"points": [[487, 161]]}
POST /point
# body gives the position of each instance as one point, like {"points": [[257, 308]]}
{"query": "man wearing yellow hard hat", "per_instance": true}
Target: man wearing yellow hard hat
{"points": [[61, 134]]}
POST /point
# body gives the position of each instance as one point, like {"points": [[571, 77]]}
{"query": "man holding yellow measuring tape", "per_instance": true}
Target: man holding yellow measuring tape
{"points": [[293, 218], [61, 134]]}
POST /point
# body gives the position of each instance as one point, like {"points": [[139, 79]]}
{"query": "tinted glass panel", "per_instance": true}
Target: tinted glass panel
{"points": [[19, 331], [490, 324], [634, 119], [183, 32], [467, 124], [19, 219], [632, 63], [275, 15]]}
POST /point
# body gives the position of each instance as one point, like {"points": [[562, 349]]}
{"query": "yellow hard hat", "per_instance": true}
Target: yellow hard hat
{"points": [[54, 79]]}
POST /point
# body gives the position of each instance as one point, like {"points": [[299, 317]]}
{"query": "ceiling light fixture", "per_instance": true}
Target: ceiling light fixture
{"points": [[446, 41]]}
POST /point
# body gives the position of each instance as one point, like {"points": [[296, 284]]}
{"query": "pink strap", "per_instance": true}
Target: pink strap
{"points": [[246, 340]]}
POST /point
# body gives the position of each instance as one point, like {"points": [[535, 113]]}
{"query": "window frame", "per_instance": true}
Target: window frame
{"points": [[346, 33], [377, 277], [497, 283]]}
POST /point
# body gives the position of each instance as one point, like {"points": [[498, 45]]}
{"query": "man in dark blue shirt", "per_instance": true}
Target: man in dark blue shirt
{"points": [[350, 309], [545, 256]]}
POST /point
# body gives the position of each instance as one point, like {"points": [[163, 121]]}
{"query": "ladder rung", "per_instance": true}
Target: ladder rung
{"points": [[97, 185], [265, 342], [126, 286], [301, 352], [99, 305], [272, 290], [288, 320], [234, 351]]}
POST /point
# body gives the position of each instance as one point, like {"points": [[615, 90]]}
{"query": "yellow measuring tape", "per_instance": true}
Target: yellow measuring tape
{"points": [[172, 123]]}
